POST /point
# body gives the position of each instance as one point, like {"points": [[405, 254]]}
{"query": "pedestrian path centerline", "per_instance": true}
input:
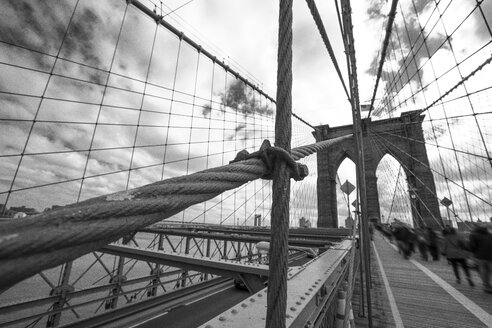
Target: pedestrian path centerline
{"points": [[471, 306], [389, 292]]}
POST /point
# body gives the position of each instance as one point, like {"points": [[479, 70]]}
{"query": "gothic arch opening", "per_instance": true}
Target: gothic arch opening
{"points": [[402, 137], [395, 202], [346, 172]]}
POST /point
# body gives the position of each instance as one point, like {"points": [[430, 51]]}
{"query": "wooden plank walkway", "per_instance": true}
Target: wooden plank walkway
{"points": [[414, 293]]}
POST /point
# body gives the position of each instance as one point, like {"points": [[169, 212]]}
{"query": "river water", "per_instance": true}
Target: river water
{"points": [[81, 278]]}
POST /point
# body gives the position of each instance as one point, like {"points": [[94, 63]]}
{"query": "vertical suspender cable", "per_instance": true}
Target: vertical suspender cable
{"points": [[141, 108], [394, 193], [100, 107], [277, 289], [349, 70], [319, 23], [431, 121], [38, 108], [357, 123]]}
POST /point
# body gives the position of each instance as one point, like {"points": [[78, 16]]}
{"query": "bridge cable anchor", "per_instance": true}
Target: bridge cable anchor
{"points": [[269, 155]]}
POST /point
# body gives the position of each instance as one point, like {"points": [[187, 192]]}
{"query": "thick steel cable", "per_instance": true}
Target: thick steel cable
{"points": [[278, 255], [391, 19], [322, 31], [35, 243]]}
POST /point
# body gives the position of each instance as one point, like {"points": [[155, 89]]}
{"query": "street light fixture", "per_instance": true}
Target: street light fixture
{"points": [[413, 193], [413, 196], [446, 203]]}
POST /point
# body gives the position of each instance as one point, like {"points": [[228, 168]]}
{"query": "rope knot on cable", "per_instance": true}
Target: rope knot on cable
{"points": [[269, 155]]}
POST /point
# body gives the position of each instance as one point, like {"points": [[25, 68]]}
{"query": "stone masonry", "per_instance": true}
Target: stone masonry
{"points": [[401, 137]]}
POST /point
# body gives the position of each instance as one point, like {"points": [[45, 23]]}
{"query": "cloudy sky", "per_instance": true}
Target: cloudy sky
{"points": [[246, 34], [318, 94], [123, 117]]}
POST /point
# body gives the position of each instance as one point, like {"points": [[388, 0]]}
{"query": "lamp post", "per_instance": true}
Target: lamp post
{"points": [[416, 209], [347, 188], [446, 203]]}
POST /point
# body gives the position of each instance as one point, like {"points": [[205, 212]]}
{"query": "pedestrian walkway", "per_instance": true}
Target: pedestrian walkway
{"points": [[424, 294]]}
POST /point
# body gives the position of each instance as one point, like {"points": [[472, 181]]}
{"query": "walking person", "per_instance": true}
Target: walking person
{"points": [[481, 246], [455, 254], [422, 243], [403, 235], [432, 243]]}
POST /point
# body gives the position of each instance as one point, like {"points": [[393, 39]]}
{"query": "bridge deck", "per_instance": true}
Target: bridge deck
{"points": [[416, 293]]}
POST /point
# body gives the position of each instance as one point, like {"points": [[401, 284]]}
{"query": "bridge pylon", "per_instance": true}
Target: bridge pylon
{"points": [[403, 139]]}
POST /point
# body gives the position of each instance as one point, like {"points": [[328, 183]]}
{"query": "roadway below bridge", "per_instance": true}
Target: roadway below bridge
{"points": [[199, 311], [196, 309]]}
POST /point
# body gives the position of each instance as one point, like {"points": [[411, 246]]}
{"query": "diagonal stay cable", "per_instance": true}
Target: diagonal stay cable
{"points": [[394, 192], [382, 150], [433, 170], [433, 144], [381, 145], [319, 23], [479, 68], [177, 8], [142, 7], [42, 241], [391, 19], [407, 169], [454, 151]]}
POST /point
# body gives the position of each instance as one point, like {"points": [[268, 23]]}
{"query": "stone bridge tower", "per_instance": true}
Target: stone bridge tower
{"points": [[401, 137]]}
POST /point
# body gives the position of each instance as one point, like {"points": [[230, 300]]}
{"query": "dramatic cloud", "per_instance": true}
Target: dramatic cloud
{"points": [[95, 97], [97, 125]]}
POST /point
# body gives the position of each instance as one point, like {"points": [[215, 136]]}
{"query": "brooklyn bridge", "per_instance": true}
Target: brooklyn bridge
{"points": [[315, 173]]}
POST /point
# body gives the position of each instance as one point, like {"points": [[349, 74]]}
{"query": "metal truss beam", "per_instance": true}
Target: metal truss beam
{"points": [[310, 289], [81, 293], [333, 234], [221, 267], [303, 241]]}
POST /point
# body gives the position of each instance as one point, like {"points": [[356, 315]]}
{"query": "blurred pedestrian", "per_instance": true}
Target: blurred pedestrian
{"points": [[432, 243], [455, 254], [403, 237], [481, 246], [421, 243]]}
